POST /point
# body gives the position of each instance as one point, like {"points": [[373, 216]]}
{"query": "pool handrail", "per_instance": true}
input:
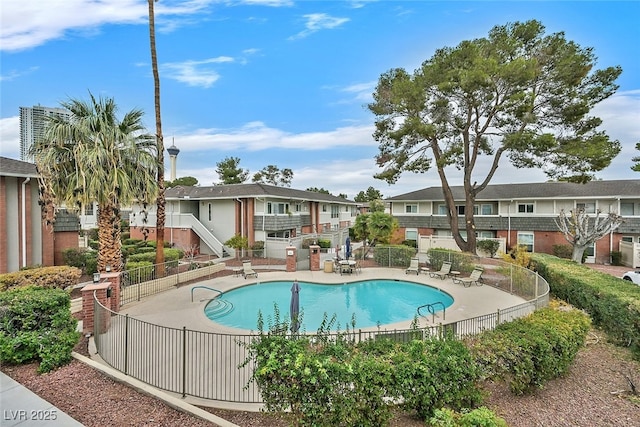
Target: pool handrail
{"points": [[206, 287], [430, 308]]}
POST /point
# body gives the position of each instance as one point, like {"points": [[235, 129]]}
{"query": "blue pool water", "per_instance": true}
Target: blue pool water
{"points": [[372, 301]]}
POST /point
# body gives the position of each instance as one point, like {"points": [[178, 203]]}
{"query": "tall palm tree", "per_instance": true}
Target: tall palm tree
{"points": [[160, 202], [92, 157]]}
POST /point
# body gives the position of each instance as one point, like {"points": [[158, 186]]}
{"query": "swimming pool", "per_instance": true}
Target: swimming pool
{"points": [[373, 302]]}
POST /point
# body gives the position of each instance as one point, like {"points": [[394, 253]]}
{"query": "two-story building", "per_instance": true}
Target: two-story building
{"points": [[525, 214], [206, 217], [25, 241]]}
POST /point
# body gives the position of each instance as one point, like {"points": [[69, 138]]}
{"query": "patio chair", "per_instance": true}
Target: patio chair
{"points": [[444, 271], [247, 270], [474, 277], [414, 267]]}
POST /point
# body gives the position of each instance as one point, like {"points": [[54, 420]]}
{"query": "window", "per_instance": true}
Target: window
{"points": [[411, 234], [587, 207], [88, 209], [324, 208], [411, 208], [209, 211], [442, 209], [298, 207], [269, 208], [626, 209], [335, 211], [486, 209], [525, 238], [525, 207]]}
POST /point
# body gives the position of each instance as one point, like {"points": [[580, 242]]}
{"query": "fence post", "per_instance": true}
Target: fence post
{"points": [[498, 318], [126, 344], [184, 361]]}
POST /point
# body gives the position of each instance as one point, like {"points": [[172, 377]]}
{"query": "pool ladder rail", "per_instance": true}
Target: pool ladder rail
{"points": [[216, 307], [432, 310]]}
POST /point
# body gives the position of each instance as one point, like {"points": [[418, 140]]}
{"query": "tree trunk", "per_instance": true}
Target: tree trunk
{"points": [[109, 238], [578, 252], [160, 203]]}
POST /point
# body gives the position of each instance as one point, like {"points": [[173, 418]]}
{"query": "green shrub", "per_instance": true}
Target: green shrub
{"points": [[612, 303], [139, 271], [393, 255], [82, 258], [460, 261], [616, 258], [36, 324], [563, 251], [435, 373], [489, 246], [529, 351], [480, 417], [94, 244], [45, 277]]}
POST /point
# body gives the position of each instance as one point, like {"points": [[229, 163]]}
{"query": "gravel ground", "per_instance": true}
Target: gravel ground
{"points": [[596, 392]]}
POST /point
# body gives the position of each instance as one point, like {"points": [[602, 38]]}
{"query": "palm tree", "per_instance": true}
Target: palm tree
{"points": [[160, 201], [92, 157]]}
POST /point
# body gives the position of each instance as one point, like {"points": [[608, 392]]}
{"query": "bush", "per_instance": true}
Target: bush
{"points": [[331, 381], [529, 351], [393, 255], [45, 277], [460, 261], [616, 258], [612, 303], [563, 251], [480, 417], [489, 246], [36, 324], [82, 258]]}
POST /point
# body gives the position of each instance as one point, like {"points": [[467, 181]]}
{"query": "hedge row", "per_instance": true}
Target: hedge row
{"points": [[529, 351], [44, 277], [612, 303], [36, 324]]}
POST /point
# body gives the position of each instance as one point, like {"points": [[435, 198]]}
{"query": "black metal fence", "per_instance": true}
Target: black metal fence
{"points": [[208, 365]]}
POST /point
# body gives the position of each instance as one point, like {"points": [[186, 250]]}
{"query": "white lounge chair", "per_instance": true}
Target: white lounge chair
{"points": [[444, 271], [474, 277], [414, 267], [247, 270]]}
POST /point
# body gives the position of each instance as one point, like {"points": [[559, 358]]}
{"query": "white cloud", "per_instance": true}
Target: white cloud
{"points": [[10, 137], [195, 73], [28, 23], [319, 21]]}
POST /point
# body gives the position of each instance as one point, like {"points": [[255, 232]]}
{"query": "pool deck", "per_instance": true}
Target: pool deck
{"points": [[174, 308]]}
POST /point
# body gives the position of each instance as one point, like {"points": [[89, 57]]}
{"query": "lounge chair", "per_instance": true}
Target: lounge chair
{"points": [[444, 271], [413, 267], [474, 277], [247, 270]]}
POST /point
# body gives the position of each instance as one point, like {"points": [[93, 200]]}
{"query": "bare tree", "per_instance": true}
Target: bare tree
{"points": [[581, 232]]}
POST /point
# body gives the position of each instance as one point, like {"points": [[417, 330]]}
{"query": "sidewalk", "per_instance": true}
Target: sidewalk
{"points": [[22, 407]]}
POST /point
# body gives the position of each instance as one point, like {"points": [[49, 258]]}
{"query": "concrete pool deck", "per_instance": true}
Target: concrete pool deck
{"points": [[174, 308]]}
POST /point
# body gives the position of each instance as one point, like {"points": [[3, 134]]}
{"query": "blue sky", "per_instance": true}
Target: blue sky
{"points": [[283, 82]]}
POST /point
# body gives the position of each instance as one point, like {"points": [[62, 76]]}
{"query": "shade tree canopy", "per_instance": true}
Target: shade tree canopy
{"points": [[369, 195], [230, 172], [272, 174], [518, 94]]}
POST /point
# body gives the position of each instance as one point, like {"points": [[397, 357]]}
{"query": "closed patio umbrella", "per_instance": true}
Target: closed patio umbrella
{"points": [[347, 249], [294, 306]]}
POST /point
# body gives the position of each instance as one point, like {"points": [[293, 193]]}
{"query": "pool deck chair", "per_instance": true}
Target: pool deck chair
{"points": [[413, 267], [474, 277], [444, 271], [247, 270]]}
